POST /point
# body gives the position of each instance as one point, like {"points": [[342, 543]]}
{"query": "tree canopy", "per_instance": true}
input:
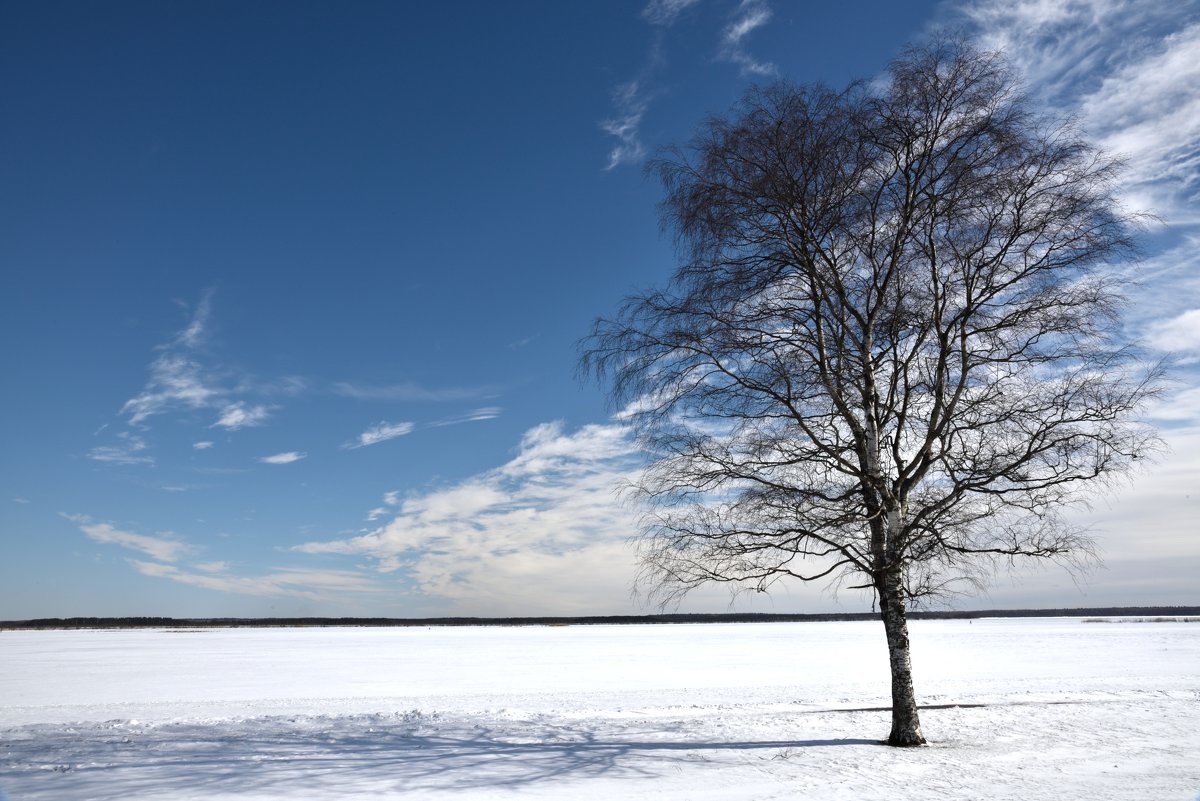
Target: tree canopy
{"points": [[891, 352]]}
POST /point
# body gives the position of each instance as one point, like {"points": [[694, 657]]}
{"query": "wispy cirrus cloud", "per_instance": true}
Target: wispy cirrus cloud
{"points": [[312, 585], [631, 99], [130, 449], [665, 12], [240, 415], [1177, 409], [630, 102], [282, 458], [1180, 335], [410, 391], [162, 547], [176, 378], [176, 381], [168, 553], [749, 17], [545, 525], [380, 432], [182, 378], [1129, 72], [1148, 109], [384, 431], [390, 499], [473, 416], [197, 330]]}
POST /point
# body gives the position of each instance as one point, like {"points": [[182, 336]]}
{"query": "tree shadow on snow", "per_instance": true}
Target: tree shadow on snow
{"points": [[368, 755]]}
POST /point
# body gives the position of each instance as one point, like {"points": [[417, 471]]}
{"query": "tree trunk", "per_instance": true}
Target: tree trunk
{"points": [[906, 724]]}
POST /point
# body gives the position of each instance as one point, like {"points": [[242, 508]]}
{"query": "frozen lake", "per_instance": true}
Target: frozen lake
{"points": [[1026, 708]]}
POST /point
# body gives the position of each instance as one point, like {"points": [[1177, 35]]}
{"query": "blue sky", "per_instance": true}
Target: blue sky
{"points": [[292, 291]]}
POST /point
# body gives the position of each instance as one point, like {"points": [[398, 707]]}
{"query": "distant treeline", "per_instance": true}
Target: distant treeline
{"points": [[594, 620]]}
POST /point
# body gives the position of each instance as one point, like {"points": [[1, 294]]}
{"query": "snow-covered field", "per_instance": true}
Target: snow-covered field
{"points": [[1014, 709]]}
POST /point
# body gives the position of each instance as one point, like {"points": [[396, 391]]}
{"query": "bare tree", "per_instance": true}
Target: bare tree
{"points": [[890, 356]]}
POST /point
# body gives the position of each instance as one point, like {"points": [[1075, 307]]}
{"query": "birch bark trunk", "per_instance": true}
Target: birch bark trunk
{"points": [[906, 723]]}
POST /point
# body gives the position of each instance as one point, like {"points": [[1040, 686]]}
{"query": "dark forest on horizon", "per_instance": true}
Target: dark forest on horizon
{"points": [[587, 620]]}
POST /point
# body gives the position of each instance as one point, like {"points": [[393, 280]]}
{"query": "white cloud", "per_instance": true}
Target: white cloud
{"points": [[1130, 72], [476, 415], [543, 530], [196, 331], [115, 454], [129, 451], [665, 12], [1149, 111], [410, 391], [180, 380], [176, 378], [380, 432], [631, 100], [749, 17], [239, 415], [1180, 406], [631, 104], [282, 458], [1163, 286], [376, 513], [1055, 43], [20, 500], [162, 549], [1180, 334], [391, 498], [312, 585], [212, 567], [462, 501]]}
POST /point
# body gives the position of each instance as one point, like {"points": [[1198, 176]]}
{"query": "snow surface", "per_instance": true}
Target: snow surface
{"points": [[1014, 709]]}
